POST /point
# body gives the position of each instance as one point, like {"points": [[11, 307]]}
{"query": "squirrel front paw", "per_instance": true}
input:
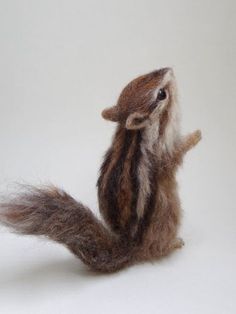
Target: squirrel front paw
{"points": [[192, 139], [196, 137]]}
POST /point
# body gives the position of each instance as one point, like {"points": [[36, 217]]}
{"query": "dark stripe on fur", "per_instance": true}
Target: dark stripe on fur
{"points": [[135, 182], [104, 166], [110, 192]]}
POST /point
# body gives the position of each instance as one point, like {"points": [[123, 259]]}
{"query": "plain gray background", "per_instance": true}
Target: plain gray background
{"points": [[61, 63]]}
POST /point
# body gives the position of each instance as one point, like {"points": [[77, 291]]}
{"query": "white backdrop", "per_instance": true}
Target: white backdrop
{"points": [[61, 63]]}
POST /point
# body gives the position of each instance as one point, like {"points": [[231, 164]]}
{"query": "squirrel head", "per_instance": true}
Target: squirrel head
{"points": [[144, 100]]}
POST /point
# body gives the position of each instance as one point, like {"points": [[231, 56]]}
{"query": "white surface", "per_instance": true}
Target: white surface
{"points": [[61, 63]]}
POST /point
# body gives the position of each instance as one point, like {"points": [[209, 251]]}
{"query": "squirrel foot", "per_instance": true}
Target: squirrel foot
{"points": [[178, 243]]}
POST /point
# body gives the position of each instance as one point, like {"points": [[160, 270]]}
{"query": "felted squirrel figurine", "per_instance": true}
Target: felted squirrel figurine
{"points": [[137, 189]]}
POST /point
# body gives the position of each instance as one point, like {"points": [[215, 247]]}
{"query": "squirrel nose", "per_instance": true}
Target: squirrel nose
{"points": [[165, 70]]}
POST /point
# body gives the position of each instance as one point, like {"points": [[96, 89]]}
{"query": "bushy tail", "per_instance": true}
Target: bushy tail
{"points": [[53, 213]]}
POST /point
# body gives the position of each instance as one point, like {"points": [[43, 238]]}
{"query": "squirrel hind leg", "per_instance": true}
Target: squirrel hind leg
{"points": [[155, 251]]}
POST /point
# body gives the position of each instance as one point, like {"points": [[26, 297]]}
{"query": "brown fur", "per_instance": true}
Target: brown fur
{"points": [[137, 190]]}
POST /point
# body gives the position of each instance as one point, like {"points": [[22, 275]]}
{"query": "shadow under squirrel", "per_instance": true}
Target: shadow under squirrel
{"points": [[137, 189]]}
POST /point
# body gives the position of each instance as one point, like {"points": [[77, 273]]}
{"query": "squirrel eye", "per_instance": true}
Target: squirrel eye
{"points": [[161, 94]]}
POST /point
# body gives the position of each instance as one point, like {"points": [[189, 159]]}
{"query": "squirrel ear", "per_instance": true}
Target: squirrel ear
{"points": [[136, 121], [110, 114]]}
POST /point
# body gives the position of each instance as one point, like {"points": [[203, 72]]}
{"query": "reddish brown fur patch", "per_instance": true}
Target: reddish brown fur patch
{"points": [[136, 94]]}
